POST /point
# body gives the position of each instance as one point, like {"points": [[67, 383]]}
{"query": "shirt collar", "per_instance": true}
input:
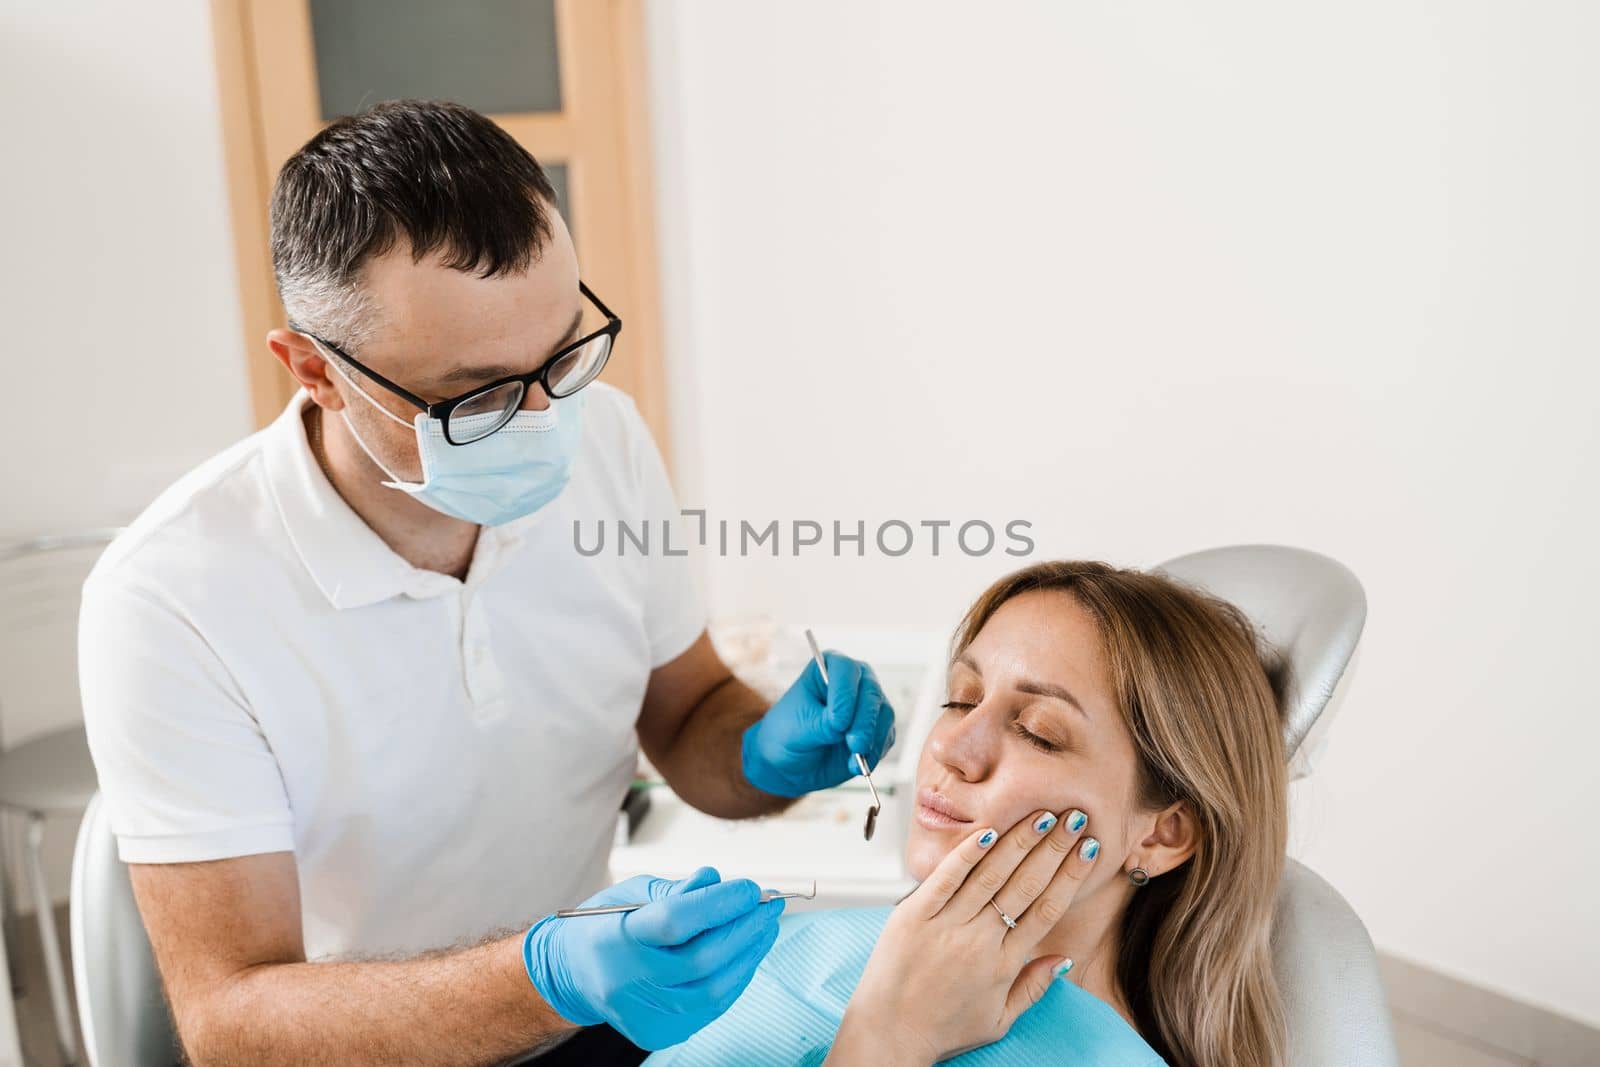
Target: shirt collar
{"points": [[345, 558]]}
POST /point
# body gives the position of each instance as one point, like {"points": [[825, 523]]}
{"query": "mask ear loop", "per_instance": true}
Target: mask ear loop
{"points": [[395, 481]]}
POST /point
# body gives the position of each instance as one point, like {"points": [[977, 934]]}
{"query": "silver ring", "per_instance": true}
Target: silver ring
{"points": [[1008, 920]]}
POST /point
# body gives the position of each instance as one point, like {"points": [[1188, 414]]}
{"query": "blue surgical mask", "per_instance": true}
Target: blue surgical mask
{"points": [[508, 475]]}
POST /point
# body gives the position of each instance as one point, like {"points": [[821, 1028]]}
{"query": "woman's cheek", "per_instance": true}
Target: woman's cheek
{"points": [[1015, 795]]}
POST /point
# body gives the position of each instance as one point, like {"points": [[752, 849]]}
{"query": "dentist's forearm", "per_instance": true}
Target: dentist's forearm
{"points": [[704, 765], [464, 1007]]}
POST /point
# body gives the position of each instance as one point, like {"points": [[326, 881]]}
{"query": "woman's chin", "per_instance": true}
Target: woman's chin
{"points": [[925, 848]]}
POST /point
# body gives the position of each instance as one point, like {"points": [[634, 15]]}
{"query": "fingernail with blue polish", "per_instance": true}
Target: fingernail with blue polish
{"points": [[1077, 820], [1062, 968], [987, 838], [1044, 823], [1089, 849]]}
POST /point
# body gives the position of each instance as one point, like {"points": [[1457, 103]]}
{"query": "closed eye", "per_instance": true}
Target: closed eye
{"points": [[1032, 738]]}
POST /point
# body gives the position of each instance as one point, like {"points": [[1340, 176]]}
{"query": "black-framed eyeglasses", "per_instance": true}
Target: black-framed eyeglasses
{"points": [[474, 415]]}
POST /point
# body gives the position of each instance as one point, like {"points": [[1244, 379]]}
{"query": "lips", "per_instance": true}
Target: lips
{"points": [[935, 810]]}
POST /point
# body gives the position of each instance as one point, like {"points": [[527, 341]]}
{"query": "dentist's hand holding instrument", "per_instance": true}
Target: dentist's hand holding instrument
{"points": [[860, 760], [657, 971], [658, 959], [810, 738]]}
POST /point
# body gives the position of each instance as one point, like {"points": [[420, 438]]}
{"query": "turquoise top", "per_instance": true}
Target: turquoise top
{"points": [[790, 1012]]}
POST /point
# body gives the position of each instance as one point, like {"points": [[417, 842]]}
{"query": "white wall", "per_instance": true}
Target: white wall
{"points": [[123, 362], [122, 316], [1161, 277]]}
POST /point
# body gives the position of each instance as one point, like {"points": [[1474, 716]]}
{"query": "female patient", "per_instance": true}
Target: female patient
{"points": [[1099, 833]]}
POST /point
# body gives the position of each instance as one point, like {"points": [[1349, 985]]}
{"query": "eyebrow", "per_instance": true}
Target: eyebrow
{"points": [[1028, 685], [491, 371]]}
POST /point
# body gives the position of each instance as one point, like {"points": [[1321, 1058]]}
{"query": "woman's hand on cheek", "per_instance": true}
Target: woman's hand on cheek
{"points": [[948, 974]]}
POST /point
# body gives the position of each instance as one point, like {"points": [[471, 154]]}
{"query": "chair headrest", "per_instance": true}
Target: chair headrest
{"points": [[1310, 607]]}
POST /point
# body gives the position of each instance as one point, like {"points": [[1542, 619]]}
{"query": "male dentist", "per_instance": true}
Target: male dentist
{"points": [[361, 712]]}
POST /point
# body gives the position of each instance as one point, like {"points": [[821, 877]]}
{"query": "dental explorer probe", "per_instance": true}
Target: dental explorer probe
{"points": [[861, 761], [617, 909]]}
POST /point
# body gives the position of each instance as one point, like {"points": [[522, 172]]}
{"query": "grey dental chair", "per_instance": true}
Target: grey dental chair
{"points": [[1306, 604], [120, 1003], [1313, 609], [48, 773]]}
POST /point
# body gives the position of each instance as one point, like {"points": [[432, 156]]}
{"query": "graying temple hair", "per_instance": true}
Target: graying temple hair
{"points": [[338, 310]]}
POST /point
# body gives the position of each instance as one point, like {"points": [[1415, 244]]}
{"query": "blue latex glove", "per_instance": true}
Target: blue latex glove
{"points": [[806, 740], [661, 973]]}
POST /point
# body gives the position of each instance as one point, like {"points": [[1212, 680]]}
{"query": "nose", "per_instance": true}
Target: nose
{"points": [[534, 398], [968, 745]]}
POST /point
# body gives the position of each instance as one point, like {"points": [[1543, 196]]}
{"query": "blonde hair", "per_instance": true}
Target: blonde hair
{"points": [[1200, 695]]}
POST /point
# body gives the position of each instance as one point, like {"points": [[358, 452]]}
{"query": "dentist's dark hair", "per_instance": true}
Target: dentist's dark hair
{"points": [[436, 177], [1201, 695]]}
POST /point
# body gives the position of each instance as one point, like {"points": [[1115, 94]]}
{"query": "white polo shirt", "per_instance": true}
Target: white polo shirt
{"points": [[445, 759]]}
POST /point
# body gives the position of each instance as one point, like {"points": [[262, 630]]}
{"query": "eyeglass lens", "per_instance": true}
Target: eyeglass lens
{"points": [[482, 415], [579, 367]]}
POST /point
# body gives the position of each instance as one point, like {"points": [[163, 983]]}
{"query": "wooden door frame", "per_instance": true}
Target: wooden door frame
{"points": [[602, 135]]}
